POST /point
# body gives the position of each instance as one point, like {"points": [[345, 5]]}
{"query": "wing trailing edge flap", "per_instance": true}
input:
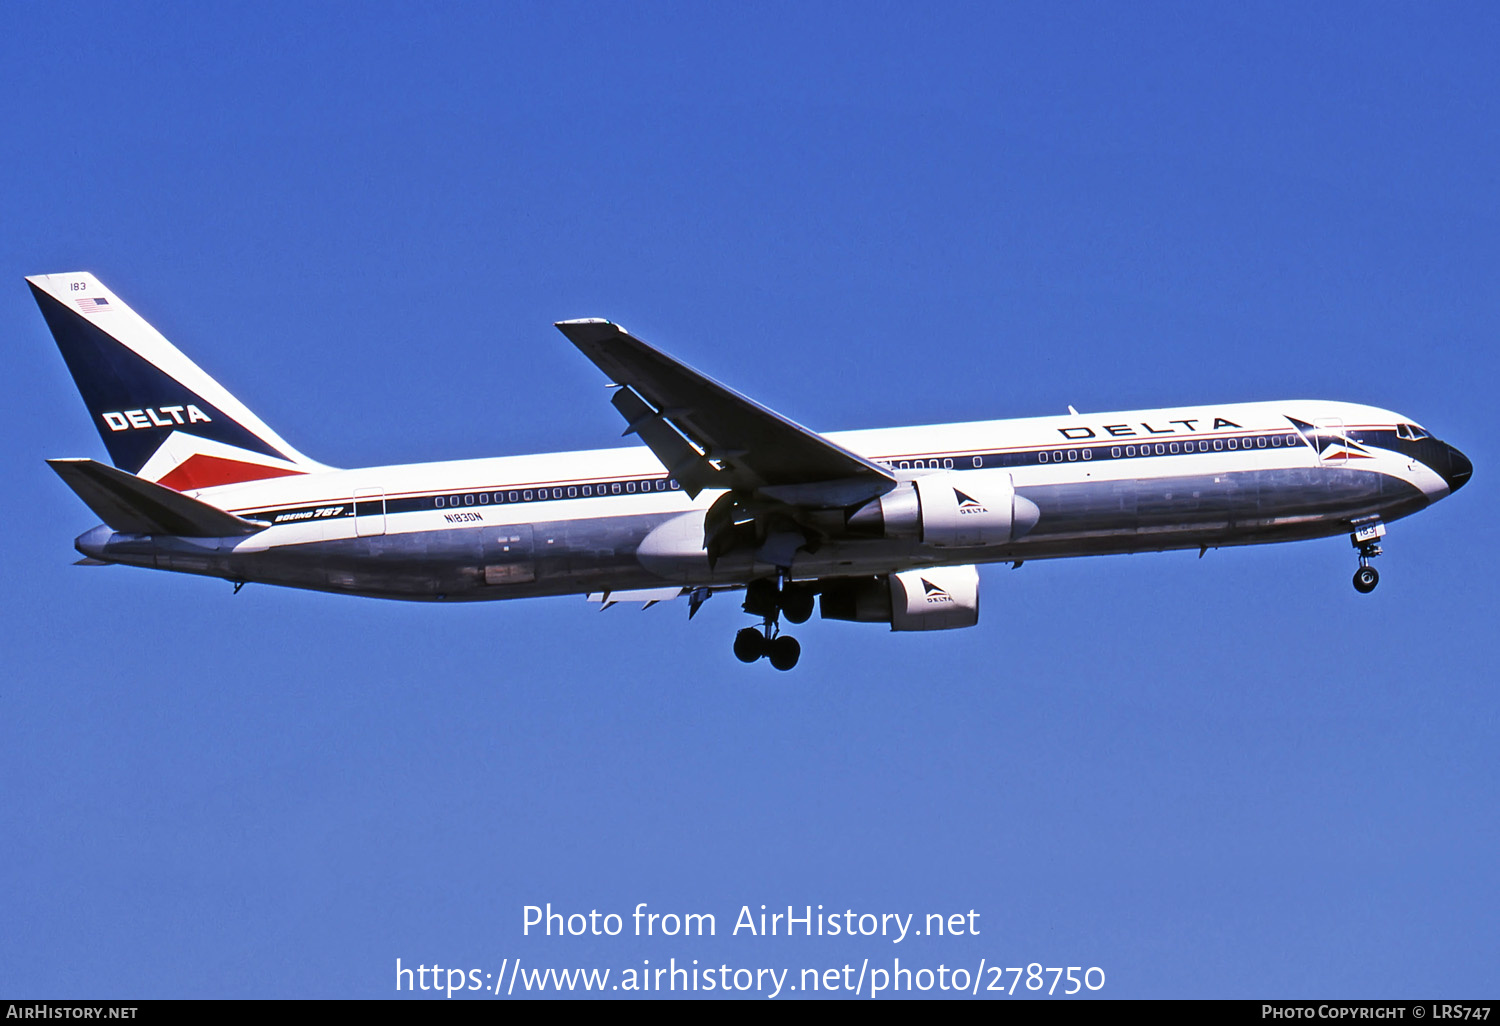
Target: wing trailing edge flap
{"points": [[132, 505], [646, 597], [708, 435], [683, 460]]}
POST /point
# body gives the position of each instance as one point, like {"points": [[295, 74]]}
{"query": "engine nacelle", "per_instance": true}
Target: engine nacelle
{"points": [[938, 599], [955, 509]]}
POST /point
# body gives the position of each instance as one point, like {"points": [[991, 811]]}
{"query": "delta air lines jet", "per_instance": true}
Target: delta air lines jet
{"points": [[883, 526]]}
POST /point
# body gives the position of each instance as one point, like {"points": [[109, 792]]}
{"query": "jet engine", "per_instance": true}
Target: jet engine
{"points": [[938, 599], [953, 509]]}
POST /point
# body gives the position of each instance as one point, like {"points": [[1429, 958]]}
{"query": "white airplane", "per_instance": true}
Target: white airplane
{"points": [[882, 526]]}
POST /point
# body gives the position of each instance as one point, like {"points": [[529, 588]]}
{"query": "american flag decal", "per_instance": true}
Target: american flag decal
{"points": [[92, 305]]}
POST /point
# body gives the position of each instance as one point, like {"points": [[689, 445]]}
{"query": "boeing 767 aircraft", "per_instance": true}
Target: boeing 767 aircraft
{"points": [[881, 526]]}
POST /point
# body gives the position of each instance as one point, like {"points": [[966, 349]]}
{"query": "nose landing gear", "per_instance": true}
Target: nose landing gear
{"points": [[768, 599], [1366, 539]]}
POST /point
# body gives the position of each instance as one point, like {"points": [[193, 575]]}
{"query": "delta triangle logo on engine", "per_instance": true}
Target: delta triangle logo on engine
{"points": [[967, 504], [932, 594]]}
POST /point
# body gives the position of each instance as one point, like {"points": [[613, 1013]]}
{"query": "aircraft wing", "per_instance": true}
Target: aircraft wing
{"points": [[708, 435]]}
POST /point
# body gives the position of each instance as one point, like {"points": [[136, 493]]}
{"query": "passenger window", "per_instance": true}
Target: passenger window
{"points": [[484, 498], [1130, 450], [1218, 443], [437, 501], [948, 464], [1172, 447], [1088, 454], [1114, 452], [515, 495], [468, 500], [1072, 455], [978, 461], [615, 489], [527, 495], [572, 493], [1260, 443]]}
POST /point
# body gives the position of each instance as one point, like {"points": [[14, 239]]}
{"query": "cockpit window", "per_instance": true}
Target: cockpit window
{"points": [[1411, 432]]}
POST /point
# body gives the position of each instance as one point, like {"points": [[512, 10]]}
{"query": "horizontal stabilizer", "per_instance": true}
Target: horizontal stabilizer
{"points": [[135, 506]]}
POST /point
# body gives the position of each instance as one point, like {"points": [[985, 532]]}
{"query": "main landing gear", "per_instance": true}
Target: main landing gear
{"points": [[770, 600], [782, 650], [1366, 538]]}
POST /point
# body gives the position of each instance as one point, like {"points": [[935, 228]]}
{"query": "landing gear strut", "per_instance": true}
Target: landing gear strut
{"points": [[768, 599], [1366, 539]]}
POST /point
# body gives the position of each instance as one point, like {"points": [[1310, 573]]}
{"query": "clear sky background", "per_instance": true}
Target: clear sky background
{"points": [[1222, 777]]}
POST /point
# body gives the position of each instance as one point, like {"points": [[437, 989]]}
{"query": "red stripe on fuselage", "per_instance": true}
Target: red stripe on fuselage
{"points": [[200, 471]]}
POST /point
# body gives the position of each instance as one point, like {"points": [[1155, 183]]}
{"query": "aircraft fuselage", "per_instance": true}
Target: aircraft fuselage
{"points": [[579, 522]]}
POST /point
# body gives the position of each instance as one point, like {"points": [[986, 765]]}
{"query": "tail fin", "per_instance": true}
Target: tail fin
{"points": [[161, 417]]}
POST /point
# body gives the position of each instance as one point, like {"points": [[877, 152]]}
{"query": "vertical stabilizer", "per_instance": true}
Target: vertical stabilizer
{"points": [[161, 417]]}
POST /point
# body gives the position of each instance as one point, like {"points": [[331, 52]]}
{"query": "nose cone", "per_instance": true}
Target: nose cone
{"points": [[1459, 470]]}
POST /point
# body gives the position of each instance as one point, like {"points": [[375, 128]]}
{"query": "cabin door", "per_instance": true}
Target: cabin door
{"points": [[1329, 439], [369, 512]]}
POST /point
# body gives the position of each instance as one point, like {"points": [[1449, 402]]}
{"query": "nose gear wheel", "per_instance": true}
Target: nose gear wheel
{"points": [[1366, 539]]}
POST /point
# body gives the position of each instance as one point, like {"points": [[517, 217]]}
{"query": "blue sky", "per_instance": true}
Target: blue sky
{"points": [[1227, 777]]}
